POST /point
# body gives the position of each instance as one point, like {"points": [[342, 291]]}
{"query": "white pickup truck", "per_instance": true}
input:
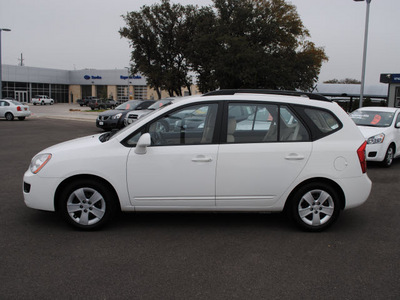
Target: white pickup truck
{"points": [[42, 100]]}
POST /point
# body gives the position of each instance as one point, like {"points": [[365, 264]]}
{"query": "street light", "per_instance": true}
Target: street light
{"points": [[1, 71], [364, 62], [128, 69]]}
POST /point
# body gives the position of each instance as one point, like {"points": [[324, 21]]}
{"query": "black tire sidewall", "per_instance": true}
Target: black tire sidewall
{"points": [[294, 203], [384, 162], [9, 118], [108, 197]]}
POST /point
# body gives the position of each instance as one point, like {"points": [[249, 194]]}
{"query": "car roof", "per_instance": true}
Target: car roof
{"points": [[378, 108]]}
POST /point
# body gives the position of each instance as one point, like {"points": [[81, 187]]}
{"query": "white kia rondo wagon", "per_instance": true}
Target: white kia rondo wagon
{"points": [[229, 150]]}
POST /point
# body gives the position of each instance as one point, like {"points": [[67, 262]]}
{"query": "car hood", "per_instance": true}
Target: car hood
{"points": [[83, 143], [140, 112], [369, 131], [113, 112]]}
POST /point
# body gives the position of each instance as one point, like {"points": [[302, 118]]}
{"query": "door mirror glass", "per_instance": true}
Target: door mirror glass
{"points": [[142, 144]]}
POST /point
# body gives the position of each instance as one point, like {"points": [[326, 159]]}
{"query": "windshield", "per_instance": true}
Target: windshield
{"points": [[117, 133], [128, 105], [372, 118], [159, 103]]}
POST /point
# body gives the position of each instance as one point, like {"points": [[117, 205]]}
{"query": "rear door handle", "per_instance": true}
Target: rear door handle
{"points": [[201, 158], [294, 156]]}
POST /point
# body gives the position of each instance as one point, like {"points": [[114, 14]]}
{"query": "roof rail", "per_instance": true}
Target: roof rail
{"points": [[271, 92]]}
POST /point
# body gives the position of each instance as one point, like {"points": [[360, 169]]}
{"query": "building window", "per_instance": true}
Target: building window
{"points": [[122, 93], [140, 92]]}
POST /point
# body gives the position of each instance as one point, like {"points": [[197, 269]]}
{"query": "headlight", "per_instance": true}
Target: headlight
{"points": [[38, 162], [117, 116], [376, 139]]}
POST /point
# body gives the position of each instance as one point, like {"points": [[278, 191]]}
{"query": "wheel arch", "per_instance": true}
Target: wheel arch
{"points": [[74, 178], [393, 144], [330, 182]]}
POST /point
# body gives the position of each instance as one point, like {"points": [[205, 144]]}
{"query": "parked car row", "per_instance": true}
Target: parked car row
{"points": [[85, 101], [102, 104], [114, 119]]}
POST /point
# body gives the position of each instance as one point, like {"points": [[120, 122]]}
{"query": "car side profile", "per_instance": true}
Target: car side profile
{"points": [[381, 128], [10, 109], [234, 150]]}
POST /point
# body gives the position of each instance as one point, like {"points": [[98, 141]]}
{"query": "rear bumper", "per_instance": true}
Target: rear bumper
{"points": [[356, 190]]}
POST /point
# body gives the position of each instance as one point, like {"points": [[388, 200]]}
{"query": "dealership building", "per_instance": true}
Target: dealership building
{"points": [[66, 86]]}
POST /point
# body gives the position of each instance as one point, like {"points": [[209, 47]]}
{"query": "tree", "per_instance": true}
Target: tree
{"points": [[234, 44], [158, 35], [343, 81], [256, 44]]}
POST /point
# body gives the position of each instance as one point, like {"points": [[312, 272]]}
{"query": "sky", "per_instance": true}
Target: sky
{"points": [[83, 34]]}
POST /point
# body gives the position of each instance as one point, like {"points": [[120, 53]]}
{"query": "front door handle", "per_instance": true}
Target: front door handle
{"points": [[294, 156], [201, 158]]}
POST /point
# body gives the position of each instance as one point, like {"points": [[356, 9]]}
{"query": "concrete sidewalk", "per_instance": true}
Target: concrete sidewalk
{"points": [[64, 111]]}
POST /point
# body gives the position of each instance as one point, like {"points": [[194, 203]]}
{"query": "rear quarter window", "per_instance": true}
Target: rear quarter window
{"points": [[322, 122]]}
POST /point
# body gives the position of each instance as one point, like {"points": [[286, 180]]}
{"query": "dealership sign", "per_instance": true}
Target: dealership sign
{"points": [[130, 77], [88, 77], [390, 78]]}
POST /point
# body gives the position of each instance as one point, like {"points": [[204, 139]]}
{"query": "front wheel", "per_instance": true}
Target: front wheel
{"points": [[315, 206], [388, 160], [21, 118], [87, 204]]}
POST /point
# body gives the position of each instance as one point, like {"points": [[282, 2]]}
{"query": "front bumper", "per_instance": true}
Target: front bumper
{"points": [[376, 152], [108, 124], [39, 192]]}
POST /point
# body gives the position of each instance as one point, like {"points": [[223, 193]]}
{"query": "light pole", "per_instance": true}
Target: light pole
{"points": [[128, 69], [364, 62], [1, 69]]}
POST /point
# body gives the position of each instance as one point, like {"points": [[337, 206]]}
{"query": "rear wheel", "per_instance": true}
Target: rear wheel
{"points": [[87, 204], [315, 206], [9, 116]]}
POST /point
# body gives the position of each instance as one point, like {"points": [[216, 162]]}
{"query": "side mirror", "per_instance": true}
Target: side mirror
{"points": [[142, 144], [398, 125]]}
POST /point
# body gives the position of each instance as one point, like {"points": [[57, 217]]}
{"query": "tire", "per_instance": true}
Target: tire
{"points": [[315, 206], [34, 103], [42, 103], [9, 116], [87, 204], [389, 156], [21, 118]]}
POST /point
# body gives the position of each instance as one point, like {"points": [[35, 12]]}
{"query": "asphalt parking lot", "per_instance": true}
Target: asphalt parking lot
{"points": [[187, 255]]}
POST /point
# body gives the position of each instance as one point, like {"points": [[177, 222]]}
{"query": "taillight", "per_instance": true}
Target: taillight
{"points": [[362, 157], [19, 108]]}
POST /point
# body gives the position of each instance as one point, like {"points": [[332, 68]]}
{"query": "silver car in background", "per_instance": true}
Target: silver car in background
{"points": [[137, 114]]}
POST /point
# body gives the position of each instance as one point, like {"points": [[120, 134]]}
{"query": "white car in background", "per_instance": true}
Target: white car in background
{"points": [[11, 109], [381, 128], [42, 100], [301, 155]]}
